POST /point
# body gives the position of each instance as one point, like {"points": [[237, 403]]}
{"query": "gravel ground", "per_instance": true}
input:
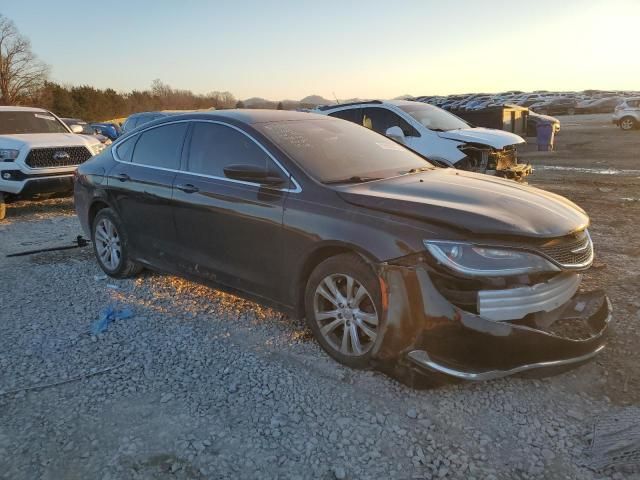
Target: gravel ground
{"points": [[199, 384]]}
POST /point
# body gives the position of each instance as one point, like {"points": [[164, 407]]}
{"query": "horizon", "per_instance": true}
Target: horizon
{"points": [[384, 52]]}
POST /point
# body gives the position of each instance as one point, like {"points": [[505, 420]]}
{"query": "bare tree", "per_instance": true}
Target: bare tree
{"points": [[22, 74]]}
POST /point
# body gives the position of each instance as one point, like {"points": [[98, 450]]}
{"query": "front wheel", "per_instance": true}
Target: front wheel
{"points": [[571, 111], [343, 308], [627, 123], [111, 247]]}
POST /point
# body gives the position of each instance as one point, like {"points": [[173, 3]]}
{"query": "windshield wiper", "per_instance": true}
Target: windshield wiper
{"points": [[354, 179]]}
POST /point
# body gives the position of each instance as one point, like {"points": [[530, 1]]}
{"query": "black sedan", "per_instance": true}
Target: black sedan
{"points": [[395, 263]]}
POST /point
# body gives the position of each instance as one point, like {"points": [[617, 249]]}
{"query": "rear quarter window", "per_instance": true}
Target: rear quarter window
{"points": [[124, 150], [130, 124]]}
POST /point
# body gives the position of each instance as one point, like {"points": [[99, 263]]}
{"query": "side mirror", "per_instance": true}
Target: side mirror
{"points": [[396, 134], [76, 128], [252, 173]]}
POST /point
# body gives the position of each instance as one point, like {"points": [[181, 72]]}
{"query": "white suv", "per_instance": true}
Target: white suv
{"points": [[39, 154], [627, 114], [437, 135]]}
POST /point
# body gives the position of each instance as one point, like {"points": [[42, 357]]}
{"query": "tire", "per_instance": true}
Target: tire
{"points": [[3, 207], [346, 333], [571, 111], [627, 123], [111, 246]]}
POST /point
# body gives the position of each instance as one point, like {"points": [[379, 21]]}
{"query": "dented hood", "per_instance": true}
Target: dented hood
{"points": [[485, 136], [478, 203]]}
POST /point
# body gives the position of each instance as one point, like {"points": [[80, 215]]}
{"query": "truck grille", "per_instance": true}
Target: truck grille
{"points": [[571, 251], [57, 157]]}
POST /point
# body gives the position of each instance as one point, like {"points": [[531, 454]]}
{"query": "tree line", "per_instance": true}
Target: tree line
{"points": [[93, 104], [24, 80]]}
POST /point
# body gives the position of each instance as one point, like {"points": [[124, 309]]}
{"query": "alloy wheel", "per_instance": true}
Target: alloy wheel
{"points": [[346, 314], [626, 124], [107, 242]]}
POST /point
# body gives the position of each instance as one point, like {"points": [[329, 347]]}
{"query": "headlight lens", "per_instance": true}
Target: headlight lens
{"points": [[475, 261], [8, 155], [97, 148]]}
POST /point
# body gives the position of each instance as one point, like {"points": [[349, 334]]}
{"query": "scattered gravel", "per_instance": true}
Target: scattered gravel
{"points": [[208, 385]]}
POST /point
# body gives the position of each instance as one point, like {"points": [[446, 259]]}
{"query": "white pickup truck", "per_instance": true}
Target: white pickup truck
{"points": [[39, 154]]}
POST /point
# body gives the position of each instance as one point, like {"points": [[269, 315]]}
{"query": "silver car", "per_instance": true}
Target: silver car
{"points": [[627, 114]]}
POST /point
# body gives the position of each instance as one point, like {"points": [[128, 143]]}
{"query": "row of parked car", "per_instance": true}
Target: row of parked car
{"points": [[545, 103], [105, 132], [428, 130]]}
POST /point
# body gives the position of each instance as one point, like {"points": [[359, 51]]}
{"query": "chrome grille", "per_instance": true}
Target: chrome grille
{"points": [[571, 251], [57, 157]]}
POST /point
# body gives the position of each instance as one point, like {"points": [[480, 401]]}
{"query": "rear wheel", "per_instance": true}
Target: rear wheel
{"points": [[342, 305], [111, 246], [3, 207], [627, 123]]}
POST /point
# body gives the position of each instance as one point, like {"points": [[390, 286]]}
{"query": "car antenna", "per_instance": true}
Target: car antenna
{"points": [[334, 96]]}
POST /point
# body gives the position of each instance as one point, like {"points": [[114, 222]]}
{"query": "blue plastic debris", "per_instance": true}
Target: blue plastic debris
{"points": [[109, 315]]}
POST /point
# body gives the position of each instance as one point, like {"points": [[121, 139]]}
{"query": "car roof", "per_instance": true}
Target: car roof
{"points": [[397, 103], [139, 114], [246, 116], [252, 116], [22, 109]]}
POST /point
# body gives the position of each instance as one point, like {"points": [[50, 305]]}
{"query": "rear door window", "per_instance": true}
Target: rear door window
{"points": [[161, 146], [351, 114], [380, 119], [214, 147]]}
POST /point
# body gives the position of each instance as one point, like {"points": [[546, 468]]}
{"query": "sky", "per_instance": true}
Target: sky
{"points": [[282, 49]]}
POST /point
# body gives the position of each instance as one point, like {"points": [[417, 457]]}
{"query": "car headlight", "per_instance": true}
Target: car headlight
{"points": [[8, 154], [97, 148], [476, 261]]}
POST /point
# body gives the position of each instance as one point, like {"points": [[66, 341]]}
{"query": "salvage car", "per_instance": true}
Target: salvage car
{"points": [[555, 106], [87, 129], [38, 154], [140, 118], [600, 105], [627, 114], [395, 263], [109, 130], [438, 135]]}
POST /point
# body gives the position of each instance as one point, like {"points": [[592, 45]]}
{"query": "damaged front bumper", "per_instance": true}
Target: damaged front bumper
{"points": [[501, 163], [422, 331], [515, 172]]}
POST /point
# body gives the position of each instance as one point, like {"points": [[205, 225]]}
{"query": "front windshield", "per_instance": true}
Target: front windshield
{"points": [[16, 122], [331, 150], [434, 118]]}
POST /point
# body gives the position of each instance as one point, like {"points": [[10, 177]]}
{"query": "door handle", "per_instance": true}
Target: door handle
{"points": [[188, 188], [123, 177]]}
